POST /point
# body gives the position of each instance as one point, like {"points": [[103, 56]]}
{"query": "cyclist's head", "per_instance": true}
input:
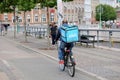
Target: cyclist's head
{"points": [[64, 22]]}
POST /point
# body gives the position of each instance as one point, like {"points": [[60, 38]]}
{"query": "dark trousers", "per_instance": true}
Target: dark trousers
{"points": [[53, 39], [62, 48]]}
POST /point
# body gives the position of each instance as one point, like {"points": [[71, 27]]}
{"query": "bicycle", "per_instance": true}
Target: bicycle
{"points": [[69, 63]]}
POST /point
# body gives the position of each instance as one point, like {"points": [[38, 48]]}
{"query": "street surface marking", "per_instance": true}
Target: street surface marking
{"points": [[6, 63]]}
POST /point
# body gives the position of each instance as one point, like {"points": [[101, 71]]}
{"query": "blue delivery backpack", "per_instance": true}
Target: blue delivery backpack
{"points": [[70, 33]]}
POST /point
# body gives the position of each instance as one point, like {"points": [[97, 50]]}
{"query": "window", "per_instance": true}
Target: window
{"points": [[20, 19], [36, 18], [65, 9], [36, 8], [43, 17], [51, 17], [28, 18], [13, 19], [5, 17], [75, 9], [65, 16]]}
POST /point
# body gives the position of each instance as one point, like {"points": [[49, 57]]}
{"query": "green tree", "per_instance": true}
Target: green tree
{"points": [[26, 5], [105, 12], [22, 5], [8, 6]]}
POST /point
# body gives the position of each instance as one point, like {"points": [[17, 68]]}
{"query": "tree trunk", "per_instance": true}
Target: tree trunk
{"points": [[14, 23], [48, 29], [25, 32]]}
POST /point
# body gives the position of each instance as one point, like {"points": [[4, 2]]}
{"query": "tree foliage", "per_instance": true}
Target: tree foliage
{"points": [[26, 5], [22, 5], [106, 12], [7, 5], [49, 3]]}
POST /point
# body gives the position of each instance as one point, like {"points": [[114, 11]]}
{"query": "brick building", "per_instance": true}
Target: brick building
{"points": [[72, 11]]}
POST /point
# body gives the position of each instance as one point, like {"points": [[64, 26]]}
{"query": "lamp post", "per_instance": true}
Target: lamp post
{"points": [[60, 11], [17, 20], [100, 11], [100, 16], [14, 8]]}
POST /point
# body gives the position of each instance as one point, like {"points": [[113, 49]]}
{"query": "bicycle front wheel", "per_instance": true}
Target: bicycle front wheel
{"points": [[71, 66]]}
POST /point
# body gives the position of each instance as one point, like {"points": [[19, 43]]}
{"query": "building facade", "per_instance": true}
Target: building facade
{"points": [[34, 17], [73, 11]]}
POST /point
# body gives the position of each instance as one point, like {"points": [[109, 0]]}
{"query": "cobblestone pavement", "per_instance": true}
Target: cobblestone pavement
{"points": [[101, 63]]}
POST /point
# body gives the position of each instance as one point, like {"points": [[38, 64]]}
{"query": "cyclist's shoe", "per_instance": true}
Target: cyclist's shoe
{"points": [[74, 63], [61, 65], [61, 62], [73, 60]]}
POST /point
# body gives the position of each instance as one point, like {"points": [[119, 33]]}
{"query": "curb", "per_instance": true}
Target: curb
{"points": [[107, 48]]}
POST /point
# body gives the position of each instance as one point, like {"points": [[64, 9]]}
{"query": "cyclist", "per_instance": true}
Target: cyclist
{"points": [[62, 45]]}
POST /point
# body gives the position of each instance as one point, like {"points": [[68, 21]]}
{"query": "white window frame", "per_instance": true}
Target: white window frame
{"points": [[51, 17], [43, 18], [36, 18], [5, 16], [28, 18], [20, 19]]}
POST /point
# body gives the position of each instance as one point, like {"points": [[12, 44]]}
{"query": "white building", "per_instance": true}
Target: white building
{"points": [[109, 2]]}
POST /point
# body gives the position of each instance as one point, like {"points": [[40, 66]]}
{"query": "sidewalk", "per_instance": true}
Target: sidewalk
{"points": [[100, 63]]}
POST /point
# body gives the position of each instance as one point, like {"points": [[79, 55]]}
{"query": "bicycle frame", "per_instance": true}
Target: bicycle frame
{"points": [[68, 62]]}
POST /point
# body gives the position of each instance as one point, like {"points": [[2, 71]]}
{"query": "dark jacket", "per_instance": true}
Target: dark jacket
{"points": [[53, 30]]}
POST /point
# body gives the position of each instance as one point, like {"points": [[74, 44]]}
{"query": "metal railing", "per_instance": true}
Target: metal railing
{"points": [[110, 36], [37, 31], [103, 37]]}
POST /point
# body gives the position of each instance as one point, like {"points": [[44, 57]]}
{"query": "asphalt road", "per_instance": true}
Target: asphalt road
{"points": [[20, 63]]}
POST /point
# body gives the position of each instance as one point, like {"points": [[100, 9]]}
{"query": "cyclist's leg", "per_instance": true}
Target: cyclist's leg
{"points": [[70, 46], [71, 53], [61, 50], [61, 56]]}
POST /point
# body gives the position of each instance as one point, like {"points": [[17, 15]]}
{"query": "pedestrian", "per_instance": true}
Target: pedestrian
{"points": [[5, 27], [2, 29], [53, 30]]}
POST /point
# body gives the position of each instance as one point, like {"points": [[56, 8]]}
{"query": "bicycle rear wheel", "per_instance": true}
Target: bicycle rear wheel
{"points": [[70, 66]]}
